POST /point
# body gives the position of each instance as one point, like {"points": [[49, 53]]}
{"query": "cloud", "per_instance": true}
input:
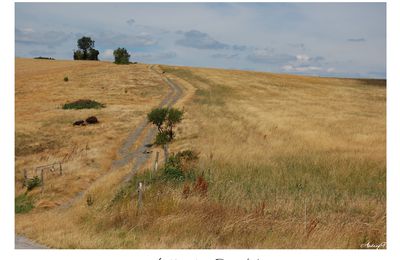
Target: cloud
{"points": [[239, 47], [130, 22], [302, 58], [305, 63], [199, 40], [107, 54], [356, 40], [300, 46], [154, 56], [301, 68], [116, 39], [306, 59], [268, 56], [50, 39], [224, 56]]}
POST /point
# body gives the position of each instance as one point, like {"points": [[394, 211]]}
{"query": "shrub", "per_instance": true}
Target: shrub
{"points": [[65, 79], [32, 183], [83, 104], [173, 172], [44, 58], [181, 166], [161, 138], [121, 56], [201, 186], [23, 204]]}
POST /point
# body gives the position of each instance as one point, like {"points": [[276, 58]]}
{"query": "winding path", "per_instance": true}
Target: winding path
{"points": [[126, 154]]}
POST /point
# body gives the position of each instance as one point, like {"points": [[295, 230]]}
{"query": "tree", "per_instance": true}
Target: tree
{"points": [[157, 117], [121, 56], [78, 55], [86, 49], [174, 116], [85, 44], [165, 119], [93, 54]]}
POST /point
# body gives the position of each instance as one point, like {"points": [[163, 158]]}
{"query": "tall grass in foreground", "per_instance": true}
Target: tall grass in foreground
{"points": [[303, 202]]}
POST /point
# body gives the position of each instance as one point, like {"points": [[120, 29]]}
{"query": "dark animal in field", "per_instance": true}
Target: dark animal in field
{"points": [[79, 122], [92, 120]]}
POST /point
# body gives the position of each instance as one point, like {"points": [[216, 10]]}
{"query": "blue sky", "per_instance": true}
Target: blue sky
{"points": [[326, 39]]}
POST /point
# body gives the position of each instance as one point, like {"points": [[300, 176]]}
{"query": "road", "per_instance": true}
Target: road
{"points": [[25, 243], [125, 153]]}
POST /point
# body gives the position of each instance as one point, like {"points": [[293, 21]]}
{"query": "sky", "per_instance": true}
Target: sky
{"points": [[323, 39]]}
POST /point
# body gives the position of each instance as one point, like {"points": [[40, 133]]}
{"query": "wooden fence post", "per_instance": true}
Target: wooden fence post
{"points": [[42, 179], [140, 196], [305, 215], [25, 178], [166, 155], [156, 162]]}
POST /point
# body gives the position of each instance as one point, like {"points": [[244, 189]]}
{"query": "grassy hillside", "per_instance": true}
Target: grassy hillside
{"points": [[44, 131], [288, 162]]}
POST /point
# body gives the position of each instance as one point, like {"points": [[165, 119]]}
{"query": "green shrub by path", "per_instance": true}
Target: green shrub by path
{"points": [[66, 79], [83, 104], [23, 204]]}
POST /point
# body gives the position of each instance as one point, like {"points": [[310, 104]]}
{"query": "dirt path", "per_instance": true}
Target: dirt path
{"points": [[124, 153], [24, 243]]}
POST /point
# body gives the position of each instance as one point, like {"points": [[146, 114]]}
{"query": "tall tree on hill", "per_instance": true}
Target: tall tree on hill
{"points": [[86, 50], [121, 56]]}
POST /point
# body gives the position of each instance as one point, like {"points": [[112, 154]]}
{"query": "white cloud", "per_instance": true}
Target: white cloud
{"points": [[107, 54], [302, 58]]}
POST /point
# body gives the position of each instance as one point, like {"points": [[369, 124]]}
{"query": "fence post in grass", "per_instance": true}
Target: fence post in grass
{"points": [[166, 153], [61, 169], [140, 196], [305, 215], [25, 178], [42, 179], [156, 162]]}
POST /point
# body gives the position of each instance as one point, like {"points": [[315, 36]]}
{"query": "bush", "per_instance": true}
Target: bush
{"points": [[23, 204], [173, 173], [33, 183], [44, 58], [162, 138], [78, 55], [83, 104], [201, 186], [121, 56], [65, 79], [181, 166]]}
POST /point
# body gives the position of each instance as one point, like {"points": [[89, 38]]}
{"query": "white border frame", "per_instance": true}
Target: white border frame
{"points": [[7, 166]]}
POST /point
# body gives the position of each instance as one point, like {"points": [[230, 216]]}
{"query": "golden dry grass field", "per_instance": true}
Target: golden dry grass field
{"points": [[288, 161]]}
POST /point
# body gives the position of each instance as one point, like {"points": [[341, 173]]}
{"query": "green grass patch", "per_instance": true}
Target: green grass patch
{"points": [[83, 104], [23, 204]]}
